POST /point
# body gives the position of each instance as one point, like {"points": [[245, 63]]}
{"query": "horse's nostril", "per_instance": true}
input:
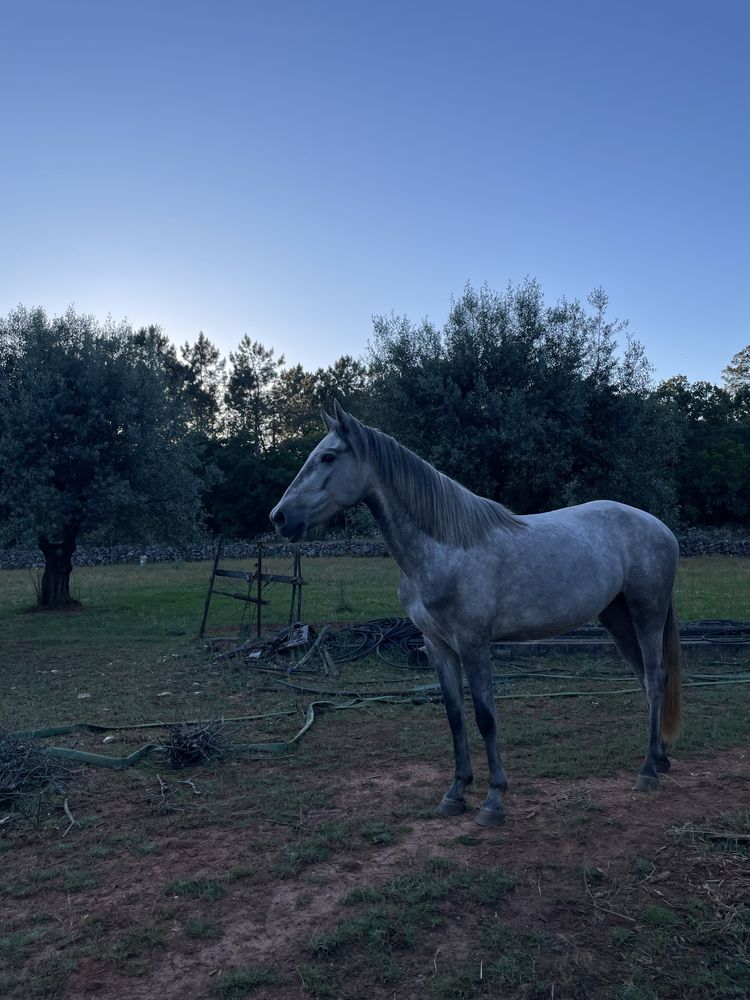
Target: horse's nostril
{"points": [[277, 517]]}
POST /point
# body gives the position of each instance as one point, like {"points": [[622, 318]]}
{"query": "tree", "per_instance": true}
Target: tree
{"points": [[204, 382], [529, 404], [248, 393], [92, 440], [736, 375], [713, 458], [298, 396], [346, 380]]}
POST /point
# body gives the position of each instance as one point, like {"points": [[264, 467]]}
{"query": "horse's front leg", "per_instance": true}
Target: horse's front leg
{"points": [[448, 668], [476, 664]]}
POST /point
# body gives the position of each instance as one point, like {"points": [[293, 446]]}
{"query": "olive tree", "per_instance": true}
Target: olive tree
{"points": [[92, 440]]}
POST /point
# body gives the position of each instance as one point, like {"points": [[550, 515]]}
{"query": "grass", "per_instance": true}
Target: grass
{"points": [[130, 655], [134, 640], [296, 856], [197, 888], [198, 928], [241, 982], [395, 917]]}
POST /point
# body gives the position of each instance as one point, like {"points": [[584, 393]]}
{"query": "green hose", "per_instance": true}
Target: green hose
{"points": [[413, 696], [120, 763]]}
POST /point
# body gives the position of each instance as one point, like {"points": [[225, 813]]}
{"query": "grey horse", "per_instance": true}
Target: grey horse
{"points": [[473, 572]]}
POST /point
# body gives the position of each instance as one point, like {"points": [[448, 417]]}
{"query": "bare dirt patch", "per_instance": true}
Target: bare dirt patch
{"points": [[588, 857]]}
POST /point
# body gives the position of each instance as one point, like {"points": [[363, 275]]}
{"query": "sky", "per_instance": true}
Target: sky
{"points": [[290, 169]]}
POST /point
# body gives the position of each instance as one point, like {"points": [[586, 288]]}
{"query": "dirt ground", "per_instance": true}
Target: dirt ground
{"points": [[610, 893]]}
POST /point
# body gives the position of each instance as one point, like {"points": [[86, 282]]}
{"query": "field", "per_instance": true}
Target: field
{"points": [[322, 870]]}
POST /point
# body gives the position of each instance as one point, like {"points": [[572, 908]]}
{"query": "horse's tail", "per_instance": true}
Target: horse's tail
{"points": [[672, 705]]}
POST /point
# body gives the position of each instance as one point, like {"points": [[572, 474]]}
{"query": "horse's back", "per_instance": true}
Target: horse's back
{"points": [[563, 567], [608, 524]]}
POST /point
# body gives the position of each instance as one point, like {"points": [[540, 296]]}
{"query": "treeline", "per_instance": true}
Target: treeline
{"points": [[537, 406], [117, 434]]}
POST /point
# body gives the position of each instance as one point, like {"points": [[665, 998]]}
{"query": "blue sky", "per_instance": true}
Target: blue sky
{"points": [[290, 169]]}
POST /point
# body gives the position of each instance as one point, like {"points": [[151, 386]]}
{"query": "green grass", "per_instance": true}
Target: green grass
{"points": [[713, 587], [241, 982], [393, 920], [206, 889], [133, 945], [130, 655], [135, 639], [317, 847], [165, 600], [200, 929]]}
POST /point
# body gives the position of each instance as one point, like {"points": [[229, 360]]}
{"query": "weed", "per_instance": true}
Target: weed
{"points": [[237, 984], [242, 871], [197, 888], [377, 832], [198, 928], [659, 916], [316, 981], [88, 821], [629, 991], [36, 880], [592, 874], [78, 879], [333, 833], [295, 857], [343, 604], [134, 944], [621, 937], [135, 843], [401, 910], [461, 983], [362, 894], [490, 886], [14, 946], [97, 851]]}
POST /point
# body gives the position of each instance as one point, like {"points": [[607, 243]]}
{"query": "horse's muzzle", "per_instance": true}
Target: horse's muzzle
{"points": [[290, 529]]}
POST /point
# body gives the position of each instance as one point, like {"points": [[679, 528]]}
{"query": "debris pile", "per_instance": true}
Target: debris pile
{"points": [[187, 744], [26, 768]]}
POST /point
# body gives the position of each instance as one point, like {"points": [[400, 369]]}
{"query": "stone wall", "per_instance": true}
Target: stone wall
{"points": [[100, 555], [693, 542]]}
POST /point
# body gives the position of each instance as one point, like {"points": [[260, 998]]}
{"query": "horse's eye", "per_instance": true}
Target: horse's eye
{"points": [[328, 458]]}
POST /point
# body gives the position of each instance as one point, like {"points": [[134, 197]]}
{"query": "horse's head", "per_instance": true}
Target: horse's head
{"points": [[331, 480]]}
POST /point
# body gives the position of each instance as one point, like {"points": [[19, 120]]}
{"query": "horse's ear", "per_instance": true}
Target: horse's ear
{"points": [[333, 425], [345, 419]]}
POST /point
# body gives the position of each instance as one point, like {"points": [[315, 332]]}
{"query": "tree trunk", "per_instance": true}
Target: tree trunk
{"points": [[58, 565]]}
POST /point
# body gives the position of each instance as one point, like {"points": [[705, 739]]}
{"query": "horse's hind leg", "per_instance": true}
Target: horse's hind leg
{"points": [[448, 668], [648, 624], [618, 621]]}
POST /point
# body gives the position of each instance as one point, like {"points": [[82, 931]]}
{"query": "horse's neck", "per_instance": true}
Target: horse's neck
{"points": [[406, 541]]}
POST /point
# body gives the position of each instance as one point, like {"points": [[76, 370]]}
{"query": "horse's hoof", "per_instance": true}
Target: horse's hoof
{"points": [[451, 807], [490, 817], [646, 783]]}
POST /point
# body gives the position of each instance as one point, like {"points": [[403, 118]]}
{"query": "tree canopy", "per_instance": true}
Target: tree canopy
{"points": [[530, 404], [110, 433], [93, 433]]}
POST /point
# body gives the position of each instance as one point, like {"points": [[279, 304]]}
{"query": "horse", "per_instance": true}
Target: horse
{"points": [[472, 572]]}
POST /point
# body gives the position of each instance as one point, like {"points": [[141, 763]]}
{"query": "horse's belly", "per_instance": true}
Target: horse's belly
{"points": [[539, 613]]}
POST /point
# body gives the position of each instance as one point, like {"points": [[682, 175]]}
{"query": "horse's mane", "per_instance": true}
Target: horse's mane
{"points": [[441, 507]]}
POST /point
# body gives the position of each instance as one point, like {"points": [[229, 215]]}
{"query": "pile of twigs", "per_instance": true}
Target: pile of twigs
{"points": [[187, 743], [25, 768]]}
